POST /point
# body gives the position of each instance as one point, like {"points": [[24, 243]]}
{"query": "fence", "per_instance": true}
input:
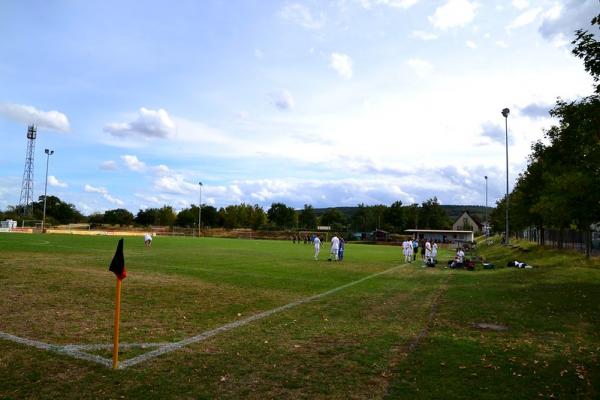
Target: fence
{"points": [[562, 239]]}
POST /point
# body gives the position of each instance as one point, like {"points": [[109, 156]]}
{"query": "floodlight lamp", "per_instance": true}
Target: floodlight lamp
{"points": [[505, 112], [200, 183]]}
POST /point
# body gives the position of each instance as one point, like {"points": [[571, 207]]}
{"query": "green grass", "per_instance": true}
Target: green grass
{"points": [[354, 343]]}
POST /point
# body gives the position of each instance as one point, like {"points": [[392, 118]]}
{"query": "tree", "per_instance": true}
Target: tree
{"points": [[96, 218], [394, 216], [147, 217], [561, 185], [258, 217], [433, 216], [166, 216], [588, 49], [281, 216], [118, 216], [188, 217], [360, 218], [412, 216], [57, 210], [334, 218], [307, 219]]}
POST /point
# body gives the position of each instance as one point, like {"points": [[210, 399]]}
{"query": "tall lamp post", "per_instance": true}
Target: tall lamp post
{"points": [[200, 211], [505, 113], [48, 154], [487, 224]]}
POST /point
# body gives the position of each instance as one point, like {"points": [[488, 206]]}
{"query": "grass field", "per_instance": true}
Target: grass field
{"points": [[405, 333]]}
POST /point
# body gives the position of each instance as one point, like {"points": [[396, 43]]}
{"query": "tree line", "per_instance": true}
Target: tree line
{"points": [[560, 188], [364, 218]]}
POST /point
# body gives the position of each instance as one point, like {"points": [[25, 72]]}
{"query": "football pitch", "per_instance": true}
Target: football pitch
{"points": [[227, 318]]}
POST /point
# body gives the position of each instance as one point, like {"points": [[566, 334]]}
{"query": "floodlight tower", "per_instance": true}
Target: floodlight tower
{"points": [[200, 211], [505, 113], [26, 199]]}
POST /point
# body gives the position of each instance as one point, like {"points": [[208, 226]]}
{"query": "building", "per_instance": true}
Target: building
{"points": [[466, 221], [442, 236], [6, 226]]}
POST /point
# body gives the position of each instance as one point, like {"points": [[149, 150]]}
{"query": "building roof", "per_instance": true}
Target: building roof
{"points": [[473, 217], [436, 231]]}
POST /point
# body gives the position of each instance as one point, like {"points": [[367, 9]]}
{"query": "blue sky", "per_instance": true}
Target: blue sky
{"points": [[331, 103]]}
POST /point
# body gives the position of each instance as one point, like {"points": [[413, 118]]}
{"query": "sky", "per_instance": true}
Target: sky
{"points": [[324, 102]]}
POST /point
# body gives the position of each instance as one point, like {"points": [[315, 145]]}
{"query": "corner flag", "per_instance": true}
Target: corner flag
{"points": [[117, 264]]}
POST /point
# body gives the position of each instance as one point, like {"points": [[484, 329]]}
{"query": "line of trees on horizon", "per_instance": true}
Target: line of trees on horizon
{"points": [[560, 189], [363, 218]]}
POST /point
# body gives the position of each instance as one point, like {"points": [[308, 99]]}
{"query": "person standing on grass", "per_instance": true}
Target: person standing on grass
{"points": [[427, 250], [415, 244], [406, 251], [409, 249], [317, 243], [148, 240], [422, 246], [434, 251], [341, 250], [335, 247]]}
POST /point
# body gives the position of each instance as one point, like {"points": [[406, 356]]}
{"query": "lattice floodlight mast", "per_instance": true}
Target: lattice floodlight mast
{"points": [[26, 200]]}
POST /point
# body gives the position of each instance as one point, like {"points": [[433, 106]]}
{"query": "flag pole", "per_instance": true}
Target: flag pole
{"points": [[117, 319]]}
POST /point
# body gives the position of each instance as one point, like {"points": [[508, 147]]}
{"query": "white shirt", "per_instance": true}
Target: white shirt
{"points": [[317, 242], [335, 243], [147, 237]]}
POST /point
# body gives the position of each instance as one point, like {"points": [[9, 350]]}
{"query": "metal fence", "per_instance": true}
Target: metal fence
{"points": [[562, 239]]}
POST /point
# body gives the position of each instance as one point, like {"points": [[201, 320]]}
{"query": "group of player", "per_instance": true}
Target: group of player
{"points": [[410, 249], [336, 251]]}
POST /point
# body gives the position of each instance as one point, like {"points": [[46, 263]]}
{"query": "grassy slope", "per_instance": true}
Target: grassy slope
{"points": [[552, 345], [350, 344]]}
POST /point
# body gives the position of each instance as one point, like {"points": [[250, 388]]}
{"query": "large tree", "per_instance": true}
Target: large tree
{"points": [[282, 216], [307, 219], [118, 216], [433, 216], [57, 211], [334, 218]]}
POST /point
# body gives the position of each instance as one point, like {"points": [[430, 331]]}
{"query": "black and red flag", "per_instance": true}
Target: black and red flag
{"points": [[117, 264]]}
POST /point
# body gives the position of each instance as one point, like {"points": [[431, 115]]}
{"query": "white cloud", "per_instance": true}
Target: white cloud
{"points": [[424, 35], [404, 4], [501, 43], [524, 19], [52, 181], [342, 63], [454, 13], [161, 169], [133, 163], [561, 20], [301, 15], [470, 44], [174, 184], [283, 100], [421, 67], [53, 120], [108, 165], [148, 123], [104, 193], [520, 4]]}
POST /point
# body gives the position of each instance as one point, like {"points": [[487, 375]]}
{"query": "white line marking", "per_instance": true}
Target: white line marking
{"points": [[68, 349], [77, 351], [227, 327]]}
